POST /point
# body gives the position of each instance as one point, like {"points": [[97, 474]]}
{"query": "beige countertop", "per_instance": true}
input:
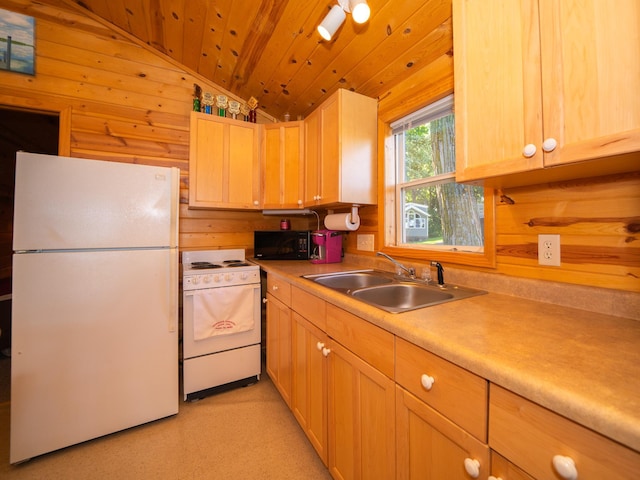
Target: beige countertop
{"points": [[582, 365]]}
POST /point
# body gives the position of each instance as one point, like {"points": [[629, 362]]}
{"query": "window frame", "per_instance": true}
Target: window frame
{"points": [[387, 212]]}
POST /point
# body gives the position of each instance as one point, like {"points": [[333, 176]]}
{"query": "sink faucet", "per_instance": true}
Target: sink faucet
{"points": [[410, 270], [440, 272]]}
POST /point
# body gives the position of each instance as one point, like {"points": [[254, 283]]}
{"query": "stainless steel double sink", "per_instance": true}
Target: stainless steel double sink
{"points": [[390, 292]]}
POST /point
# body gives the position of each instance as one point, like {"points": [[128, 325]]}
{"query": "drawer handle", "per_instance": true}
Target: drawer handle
{"points": [[319, 345], [565, 466], [326, 352], [427, 381], [472, 466]]}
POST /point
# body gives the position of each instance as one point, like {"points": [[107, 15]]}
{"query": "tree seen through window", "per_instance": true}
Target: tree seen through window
{"points": [[427, 165]]}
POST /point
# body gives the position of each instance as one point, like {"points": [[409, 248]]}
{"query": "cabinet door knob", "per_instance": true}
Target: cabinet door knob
{"points": [[256, 203], [549, 145], [274, 288], [472, 466], [326, 352], [264, 300], [565, 466], [319, 345], [299, 202], [491, 477], [427, 381], [529, 150]]}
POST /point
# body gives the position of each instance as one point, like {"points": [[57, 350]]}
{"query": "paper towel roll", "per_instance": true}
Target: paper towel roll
{"points": [[341, 221]]}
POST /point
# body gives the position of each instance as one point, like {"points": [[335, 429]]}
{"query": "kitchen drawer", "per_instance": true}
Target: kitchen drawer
{"points": [[279, 288], [311, 307], [370, 342], [531, 436], [457, 393]]}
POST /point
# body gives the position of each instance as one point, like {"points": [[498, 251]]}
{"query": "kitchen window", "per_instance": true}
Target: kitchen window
{"points": [[427, 214]]}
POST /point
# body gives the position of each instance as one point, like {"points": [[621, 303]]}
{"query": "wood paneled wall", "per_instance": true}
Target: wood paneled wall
{"points": [[598, 221], [120, 102], [123, 103]]}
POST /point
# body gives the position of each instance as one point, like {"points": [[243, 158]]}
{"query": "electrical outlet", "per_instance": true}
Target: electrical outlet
{"points": [[549, 250], [365, 242]]}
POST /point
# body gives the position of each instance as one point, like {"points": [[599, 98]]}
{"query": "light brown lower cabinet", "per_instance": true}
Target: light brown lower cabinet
{"points": [[431, 447], [549, 446], [345, 405], [338, 373], [279, 346], [361, 418], [309, 399]]}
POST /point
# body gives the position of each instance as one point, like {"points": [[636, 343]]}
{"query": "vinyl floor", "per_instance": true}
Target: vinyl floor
{"points": [[246, 433]]}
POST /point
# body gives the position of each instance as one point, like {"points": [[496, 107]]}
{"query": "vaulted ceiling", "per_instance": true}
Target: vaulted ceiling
{"points": [[271, 50]]}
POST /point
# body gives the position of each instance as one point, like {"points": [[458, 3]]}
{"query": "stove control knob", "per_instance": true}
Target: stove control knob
{"points": [[216, 278], [196, 280], [207, 279], [228, 277], [244, 276]]}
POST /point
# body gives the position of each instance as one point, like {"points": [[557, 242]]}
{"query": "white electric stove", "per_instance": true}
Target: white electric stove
{"points": [[221, 321]]}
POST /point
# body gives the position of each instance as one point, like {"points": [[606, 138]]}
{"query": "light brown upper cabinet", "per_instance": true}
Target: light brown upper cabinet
{"points": [[341, 151], [543, 83], [283, 164], [224, 163]]}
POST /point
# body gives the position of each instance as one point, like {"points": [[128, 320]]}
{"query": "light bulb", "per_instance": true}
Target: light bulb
{"points": [[360, 11]]}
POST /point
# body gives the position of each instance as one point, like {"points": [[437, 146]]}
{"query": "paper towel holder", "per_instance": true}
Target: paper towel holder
{"points": [[354, 218], [343, 221]]}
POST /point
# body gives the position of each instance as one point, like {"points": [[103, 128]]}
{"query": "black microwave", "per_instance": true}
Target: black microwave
{"points": [[281, 244]]}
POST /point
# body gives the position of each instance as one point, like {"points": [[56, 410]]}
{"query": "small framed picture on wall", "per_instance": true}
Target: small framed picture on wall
{"points": [[17, 42]]}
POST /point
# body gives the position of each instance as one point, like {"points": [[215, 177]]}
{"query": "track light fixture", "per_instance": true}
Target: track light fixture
{"points": [[359, 10]]}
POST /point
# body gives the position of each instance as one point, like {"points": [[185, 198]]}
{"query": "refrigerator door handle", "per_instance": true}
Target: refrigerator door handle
{"points": [[173, 258], [173, 290], [175, 206]]}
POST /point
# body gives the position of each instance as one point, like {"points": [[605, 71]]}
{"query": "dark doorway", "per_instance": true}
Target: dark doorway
{"points": [[30, 131]]}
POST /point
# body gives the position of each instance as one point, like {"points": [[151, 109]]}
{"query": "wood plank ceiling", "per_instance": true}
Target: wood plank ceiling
{"points": [[270, 49]]}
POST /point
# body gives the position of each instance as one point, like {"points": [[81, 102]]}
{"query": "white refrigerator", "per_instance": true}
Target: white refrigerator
{"points": [[94, 300]]}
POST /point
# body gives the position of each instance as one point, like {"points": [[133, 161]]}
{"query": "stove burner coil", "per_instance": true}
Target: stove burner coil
{"points": [[204, 265]]}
